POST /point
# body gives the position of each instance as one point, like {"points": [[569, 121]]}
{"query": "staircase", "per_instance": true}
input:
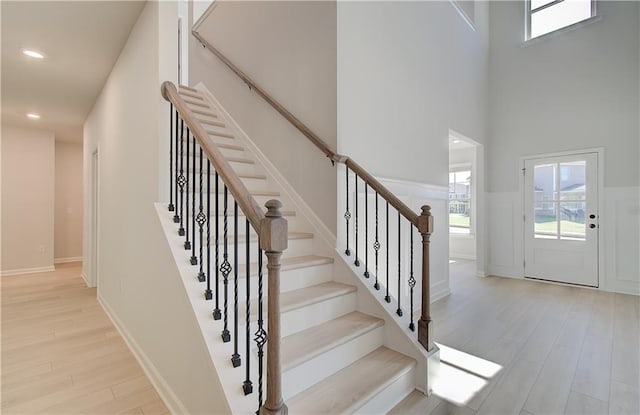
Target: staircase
{"points": [[333, 356]]}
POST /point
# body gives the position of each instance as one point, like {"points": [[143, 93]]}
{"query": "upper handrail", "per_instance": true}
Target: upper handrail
{"points": [[401, 207], [241, 195]]}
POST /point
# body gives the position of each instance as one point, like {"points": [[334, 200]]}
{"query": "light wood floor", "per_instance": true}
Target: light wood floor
{"points": [[558, 349], [62, 355]]}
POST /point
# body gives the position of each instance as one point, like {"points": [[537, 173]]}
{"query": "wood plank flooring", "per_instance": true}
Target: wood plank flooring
{"points": [[61, 353], [563, 350]]}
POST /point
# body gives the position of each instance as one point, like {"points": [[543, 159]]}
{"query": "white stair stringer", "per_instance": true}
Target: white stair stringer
{"points": [[327, 337]]}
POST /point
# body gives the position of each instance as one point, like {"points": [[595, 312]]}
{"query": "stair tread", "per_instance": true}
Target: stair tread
{"points": [[352, 387], [307, 344], [251, 192], [188, 88], [293, 300], [254, 237]]}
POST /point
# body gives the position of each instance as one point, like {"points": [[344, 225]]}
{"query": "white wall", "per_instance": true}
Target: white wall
{"points": [[138, 280], [571, 91], [464, 245], [28, 160], [408, 72], [289, 49], [68, 202]]}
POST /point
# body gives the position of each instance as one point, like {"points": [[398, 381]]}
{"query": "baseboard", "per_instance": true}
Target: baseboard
{"points": [[454, 255], [481, 274], [67, 260], [85, 278], [27, 271], [440, 290], [301, 206], [167, 395]]}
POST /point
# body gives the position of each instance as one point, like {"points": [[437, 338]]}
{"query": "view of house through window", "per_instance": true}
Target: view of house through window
{"points": [[546, 16], [460, 201]]}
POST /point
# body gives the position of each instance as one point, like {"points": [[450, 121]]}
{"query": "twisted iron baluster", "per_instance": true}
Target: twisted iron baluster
{"points": [[387, 297], [201, 219], [376, 246], [412, 280], [208, 295], [181, 179], [225, 268], [235, 358], [171, 206], [347, 215], [399, 310], [261, 334], [247, 385]]}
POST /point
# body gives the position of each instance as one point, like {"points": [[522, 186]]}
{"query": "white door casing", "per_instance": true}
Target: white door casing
{"points": [[561, 226]]}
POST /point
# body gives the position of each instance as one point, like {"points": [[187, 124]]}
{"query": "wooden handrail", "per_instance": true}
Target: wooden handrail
{"points": [[245, 200], [404, 210]]}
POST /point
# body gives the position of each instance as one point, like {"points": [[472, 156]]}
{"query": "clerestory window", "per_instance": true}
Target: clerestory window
{"points": [[546, 16]]}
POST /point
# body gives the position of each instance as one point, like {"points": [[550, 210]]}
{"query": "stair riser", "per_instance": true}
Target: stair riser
{"points": [[233, 164], [250, 183], [393, 394], [297, 247], [293, 222], [312, 315], [292, 279], [309, 373]]}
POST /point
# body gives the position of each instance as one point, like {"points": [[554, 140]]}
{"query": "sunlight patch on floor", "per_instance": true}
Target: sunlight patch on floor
{"points": [[461, 375]]}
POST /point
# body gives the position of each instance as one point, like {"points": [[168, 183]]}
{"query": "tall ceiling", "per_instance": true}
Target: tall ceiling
{"points": [[81, 41]]}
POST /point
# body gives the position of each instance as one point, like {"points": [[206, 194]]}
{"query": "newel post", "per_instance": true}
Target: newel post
{"points": [[273, 240], [425, 326]]}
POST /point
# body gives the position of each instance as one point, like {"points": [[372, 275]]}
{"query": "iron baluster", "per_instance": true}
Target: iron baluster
{"points": [[356, 262], [387, 297], [208, 295], [376, 246], [225, 268], [247, 385], [187, 242], [366, 231], [171, 206], [412, 280], [261, 334], [176, 216], [194, 259], [399, 310], [201, 219], [347, 215], [235, 359], [181, 179], [217, 315]]}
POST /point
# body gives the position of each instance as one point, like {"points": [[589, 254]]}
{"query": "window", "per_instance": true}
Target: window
{"points": [[546, 16], [460, 200]]}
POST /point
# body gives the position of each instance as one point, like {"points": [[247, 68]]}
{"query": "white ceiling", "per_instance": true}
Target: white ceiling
{"points": [[81, 41]]}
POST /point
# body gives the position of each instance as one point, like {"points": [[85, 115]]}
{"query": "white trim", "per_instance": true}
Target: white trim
{"points": [[440, 290], [203, 16], [167, 395], [454, 255], [67, 260], [463, 14], [301, 207], [21, 271], [86, 279]]}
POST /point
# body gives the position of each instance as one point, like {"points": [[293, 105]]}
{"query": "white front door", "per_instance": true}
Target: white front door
{"points": [[561, 218]]}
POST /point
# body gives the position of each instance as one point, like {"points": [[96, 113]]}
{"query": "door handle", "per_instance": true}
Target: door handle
{"points": [[592, 226]]}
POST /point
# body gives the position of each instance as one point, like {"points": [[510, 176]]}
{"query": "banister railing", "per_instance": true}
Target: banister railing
{"points": [[423, 222], [270, 231]]}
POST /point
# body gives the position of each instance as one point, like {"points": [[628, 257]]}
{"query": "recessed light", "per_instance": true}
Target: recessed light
{"points": [[33, 116], [33, 54], [456, 141]]}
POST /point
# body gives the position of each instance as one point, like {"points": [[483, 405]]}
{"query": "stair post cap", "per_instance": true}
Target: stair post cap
{"points": [[273, 208]]}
